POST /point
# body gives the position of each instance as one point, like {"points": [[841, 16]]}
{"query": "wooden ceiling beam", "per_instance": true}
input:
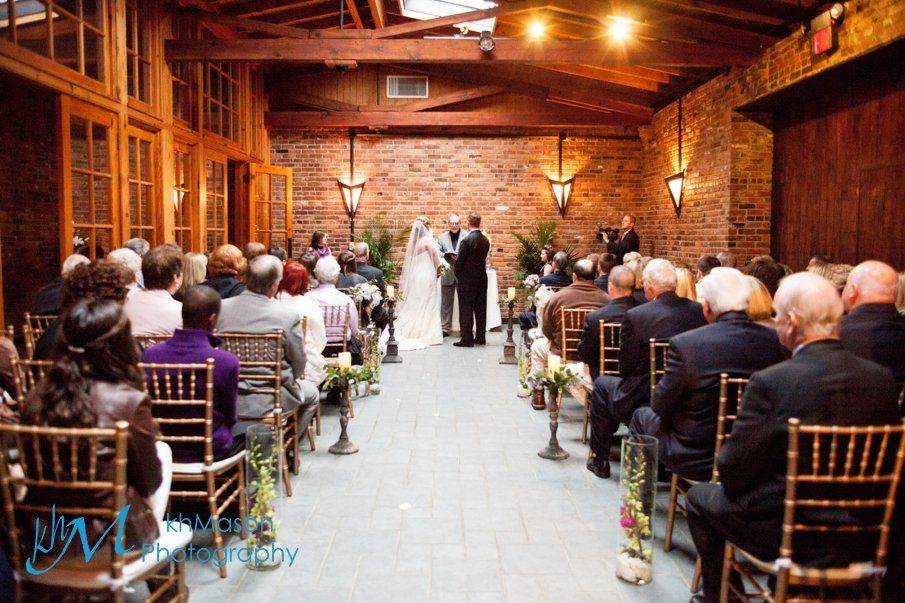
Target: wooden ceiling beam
{"points": [[443, 100], [404, 29], [268, 7], [595, 52], [767, 11], [488, 119], [315, 101], [356, 16], [274, 29], [377, 15], [602, 75]]}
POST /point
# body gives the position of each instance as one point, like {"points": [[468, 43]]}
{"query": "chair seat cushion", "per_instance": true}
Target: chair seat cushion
{"points": [[214, 467]]}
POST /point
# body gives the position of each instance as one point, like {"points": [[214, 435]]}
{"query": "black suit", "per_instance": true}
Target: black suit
{"points": [[876, 332], [557, 278], [589, 344], [48, 299], [602, 282], [614, 399], [471, 286], [821, 384], [627, 243], [682, 414]]}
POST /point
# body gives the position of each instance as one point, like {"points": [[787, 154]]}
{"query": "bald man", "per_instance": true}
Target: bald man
{"points": [[873, 329]]}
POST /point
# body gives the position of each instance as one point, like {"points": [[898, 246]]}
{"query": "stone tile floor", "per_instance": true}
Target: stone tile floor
{"points": [[448, 501]]}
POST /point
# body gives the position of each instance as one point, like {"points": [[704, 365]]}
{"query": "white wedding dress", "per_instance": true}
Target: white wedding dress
{"points": [[418, 323]]}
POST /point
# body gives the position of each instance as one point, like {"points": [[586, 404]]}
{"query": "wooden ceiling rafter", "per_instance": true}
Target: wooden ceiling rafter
{"points": [[488, 119]]}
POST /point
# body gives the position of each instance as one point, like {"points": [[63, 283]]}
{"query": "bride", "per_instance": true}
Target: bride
{"points": [[418, 315]]}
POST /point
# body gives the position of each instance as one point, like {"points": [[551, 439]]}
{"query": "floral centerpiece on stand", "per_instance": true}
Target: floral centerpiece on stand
{"points": [[368, 293], [347, 376], [262, 458], [634, 559]]}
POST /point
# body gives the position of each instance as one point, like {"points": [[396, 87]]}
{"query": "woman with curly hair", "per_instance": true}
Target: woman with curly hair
{"points": [[95, 381], [225, 271]]}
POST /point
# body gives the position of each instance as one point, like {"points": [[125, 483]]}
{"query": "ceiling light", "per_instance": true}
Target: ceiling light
{"points": [[486, 42], [537, 29], [620, 28]]}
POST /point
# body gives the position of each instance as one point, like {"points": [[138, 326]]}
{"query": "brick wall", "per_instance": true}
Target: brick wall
{"points": [[29, 210], [727, 156], [436, 175]]}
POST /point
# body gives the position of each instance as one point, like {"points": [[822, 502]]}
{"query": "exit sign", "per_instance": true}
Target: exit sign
{"points": [[823, 34]]}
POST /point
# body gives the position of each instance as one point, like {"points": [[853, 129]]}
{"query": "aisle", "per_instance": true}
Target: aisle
{"points": [[448, 501]]}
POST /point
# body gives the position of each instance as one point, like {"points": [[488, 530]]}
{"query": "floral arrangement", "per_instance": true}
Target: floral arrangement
{"points": [[634, 560], [366, 292], [531, 282], [344, 377], [263, 491], [540, 296], [444, 268], [524, 368], [558, 379]]}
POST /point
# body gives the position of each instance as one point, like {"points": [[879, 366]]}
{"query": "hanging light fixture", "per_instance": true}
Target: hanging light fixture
{"points": [[562, 189], [676, 182], [351, 193], [485, 42]]}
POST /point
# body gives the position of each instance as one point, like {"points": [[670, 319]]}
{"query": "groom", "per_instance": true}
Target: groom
{"points": [[471, 273]]}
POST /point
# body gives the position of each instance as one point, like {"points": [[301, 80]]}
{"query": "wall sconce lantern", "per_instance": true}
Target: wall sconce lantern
{"points": [[676, 183], [351, 193], [562, 189]]}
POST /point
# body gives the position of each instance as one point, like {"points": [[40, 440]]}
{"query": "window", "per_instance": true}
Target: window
{"points": [[215, 212], [271, 194], [183, 197], [88, 189], [138, 52], [71, 32], [222, 85], [183, 76], [142, 192]]}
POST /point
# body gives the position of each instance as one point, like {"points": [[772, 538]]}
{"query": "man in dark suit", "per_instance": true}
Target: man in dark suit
{"points": [[822, 383], [614, 399], [873, 328], [471, 286], [605, 264], [619, 286], [683, 412], [558, 278], [628, 239], [48, 300]]}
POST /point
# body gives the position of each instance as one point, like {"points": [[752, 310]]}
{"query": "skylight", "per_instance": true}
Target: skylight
{"points": [[431, 9]]}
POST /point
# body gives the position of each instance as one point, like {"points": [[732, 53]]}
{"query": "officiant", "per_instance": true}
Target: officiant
{"points": [[449, 247]]}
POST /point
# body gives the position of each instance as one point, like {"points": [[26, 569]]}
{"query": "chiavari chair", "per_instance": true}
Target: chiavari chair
{"points": [[185, 420], [34, 327], [337, 321], [609, 347], [572, 321], [26, 375], [145, 341], [658, 349], [839, 470], [60, 469]]}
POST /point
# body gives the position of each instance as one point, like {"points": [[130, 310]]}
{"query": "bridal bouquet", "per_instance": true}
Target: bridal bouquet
{"points": [[444, 268], [366, 292]]}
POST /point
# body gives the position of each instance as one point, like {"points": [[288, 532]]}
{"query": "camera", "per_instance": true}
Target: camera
{"points": [[609, 231]]}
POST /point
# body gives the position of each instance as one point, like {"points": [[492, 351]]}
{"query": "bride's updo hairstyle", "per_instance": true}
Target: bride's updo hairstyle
{"points": [[424, 220]]}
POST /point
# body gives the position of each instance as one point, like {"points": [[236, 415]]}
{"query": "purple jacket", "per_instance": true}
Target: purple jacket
{"points": [[196, 346]]}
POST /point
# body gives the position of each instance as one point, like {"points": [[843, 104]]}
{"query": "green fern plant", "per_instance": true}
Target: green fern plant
{"points": [[379, 237], [530, 245]]}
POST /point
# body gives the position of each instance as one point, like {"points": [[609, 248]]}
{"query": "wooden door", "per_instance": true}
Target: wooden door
{"points": [[89, 201], [214, 208], [881, 214], [270, 205]]}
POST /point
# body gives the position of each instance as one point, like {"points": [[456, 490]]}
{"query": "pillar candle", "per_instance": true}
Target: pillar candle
{"points": [[511, 293], [391, 292], [554, 362], [344, 360]]}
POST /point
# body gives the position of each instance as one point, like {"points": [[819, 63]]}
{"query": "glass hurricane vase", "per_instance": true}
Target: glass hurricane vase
{"points": [[263, 472], [637, 489]]}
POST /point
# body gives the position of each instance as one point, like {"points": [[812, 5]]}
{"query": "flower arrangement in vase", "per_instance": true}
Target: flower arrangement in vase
{"points": [[263, 473], [634, 561]]}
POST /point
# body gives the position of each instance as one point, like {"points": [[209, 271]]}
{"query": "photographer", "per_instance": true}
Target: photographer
{"points": [[625, 241]]}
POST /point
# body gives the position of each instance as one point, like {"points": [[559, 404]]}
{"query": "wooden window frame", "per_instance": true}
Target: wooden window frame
{"points": [[205, 195], [150, 232], [229, 103], [192, 197], [255, 233], [143, 26]]}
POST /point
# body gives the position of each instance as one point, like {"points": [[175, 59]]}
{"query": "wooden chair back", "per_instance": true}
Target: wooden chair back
{"points": [[609, 347], [34, 327], [146, 341], [55, 460], [182, 405], [658, 349], [26, 375], [337, 320], [731, 390], [901, 386], [260, 361], [572, 321], [844, 469]]}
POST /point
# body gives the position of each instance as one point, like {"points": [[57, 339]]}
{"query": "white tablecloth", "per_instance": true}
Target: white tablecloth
{"points": [[494, 317]]}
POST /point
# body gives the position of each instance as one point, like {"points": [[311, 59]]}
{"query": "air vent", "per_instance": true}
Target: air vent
{"points": [[406, 86]]}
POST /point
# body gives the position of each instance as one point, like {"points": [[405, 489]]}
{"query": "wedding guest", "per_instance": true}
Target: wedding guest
{"points": [[767, 271], [138, 245], [309, 261], [348, 277], [822, 384], [95, 280], [372, 274], [558, 278], [760, 302], [704, 265], [727, 259], [254, 311], [277, 252], [152, 310], [319, 244], [614, 399], [546, 257], [582, 293], [225, 271], [194, 272], [8, 353], [605, 263], [194, 343], [48, 299], [253, 249], [326, 294], [131, 262], [839, 275], [619, 287], [873, 328], [821, 265], [636, 264], [685, 284], [96, 382], [683, 410], [594, 258], [291, 293], [900, 294]]}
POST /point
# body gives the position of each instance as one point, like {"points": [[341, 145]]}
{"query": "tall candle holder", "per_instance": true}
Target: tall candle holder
{"points": [[392, 355], [509, 346], [556, 381], [344, 377]]}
